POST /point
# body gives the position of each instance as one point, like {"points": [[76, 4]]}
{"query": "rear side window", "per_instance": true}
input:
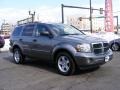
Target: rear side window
{"points": [[17, 31], [28, 30]]}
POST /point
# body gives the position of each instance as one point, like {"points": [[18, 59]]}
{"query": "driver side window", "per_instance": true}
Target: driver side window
{"points": [[41, 29]]}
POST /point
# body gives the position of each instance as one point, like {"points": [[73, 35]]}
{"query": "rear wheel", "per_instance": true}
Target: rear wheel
{"points": [[65, 64], [18, 56], [115, 47]]}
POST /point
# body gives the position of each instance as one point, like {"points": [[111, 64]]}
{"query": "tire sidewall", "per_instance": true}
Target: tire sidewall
{"points": [[72, 65], [113, 45], [21, 56]]}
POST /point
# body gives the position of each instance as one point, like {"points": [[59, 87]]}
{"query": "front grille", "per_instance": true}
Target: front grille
{"points": [[100, 48]]}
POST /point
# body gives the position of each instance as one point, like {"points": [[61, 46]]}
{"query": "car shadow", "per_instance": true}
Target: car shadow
{"points": [[47, 65], [85, 71]]}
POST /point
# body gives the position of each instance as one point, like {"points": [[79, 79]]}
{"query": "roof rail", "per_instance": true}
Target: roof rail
{"points": [[24, 21]]}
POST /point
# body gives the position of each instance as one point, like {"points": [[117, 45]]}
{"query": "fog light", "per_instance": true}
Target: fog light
{"points": [[89, 61], [107, 58]]}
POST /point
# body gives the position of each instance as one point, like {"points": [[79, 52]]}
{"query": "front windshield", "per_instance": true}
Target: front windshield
{"points": [[62, 29]]}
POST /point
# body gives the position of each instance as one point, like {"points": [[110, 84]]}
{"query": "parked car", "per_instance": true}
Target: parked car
{"points": [[115, 44], [64, 45], [7, 37], [2, 42], [112, 38]]}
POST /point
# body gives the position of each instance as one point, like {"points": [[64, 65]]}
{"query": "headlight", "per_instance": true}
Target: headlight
{"points": [[83, 48]]}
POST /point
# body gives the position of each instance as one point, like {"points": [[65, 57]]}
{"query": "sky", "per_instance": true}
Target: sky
{"points": [[47, 10]]}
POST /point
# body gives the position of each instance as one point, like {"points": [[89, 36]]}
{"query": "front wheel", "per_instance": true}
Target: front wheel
{"points": [[18, 56], [115, 47], [65, 64]]}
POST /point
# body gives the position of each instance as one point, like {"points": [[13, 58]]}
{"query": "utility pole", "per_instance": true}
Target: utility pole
{"points": [[62, 10], [90, 16], [117, 24], [4, 21], [32, 15]]}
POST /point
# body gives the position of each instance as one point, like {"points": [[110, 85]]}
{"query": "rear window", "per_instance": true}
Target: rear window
{"points": [[17, 31]]}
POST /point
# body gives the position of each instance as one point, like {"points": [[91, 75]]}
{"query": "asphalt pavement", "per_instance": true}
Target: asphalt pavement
{"points": [[39, 75]]}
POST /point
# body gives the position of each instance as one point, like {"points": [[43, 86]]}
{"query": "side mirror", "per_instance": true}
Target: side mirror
{"points": [[45, 33]]}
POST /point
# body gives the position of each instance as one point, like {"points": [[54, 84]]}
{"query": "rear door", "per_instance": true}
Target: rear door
{"points": [[26, 38]]}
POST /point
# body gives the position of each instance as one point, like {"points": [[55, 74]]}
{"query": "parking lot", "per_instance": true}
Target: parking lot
{"points": [[37, 75]]}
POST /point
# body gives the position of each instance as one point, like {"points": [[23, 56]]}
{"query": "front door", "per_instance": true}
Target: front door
{"points": [[42, 43]]}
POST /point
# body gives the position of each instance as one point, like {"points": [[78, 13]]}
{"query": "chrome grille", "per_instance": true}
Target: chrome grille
{"points": [[100, 48]]}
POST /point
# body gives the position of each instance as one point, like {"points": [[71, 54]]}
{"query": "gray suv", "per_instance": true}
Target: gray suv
{"points": [[61, 44]]}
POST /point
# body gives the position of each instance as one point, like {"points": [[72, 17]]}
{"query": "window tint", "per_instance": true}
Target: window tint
{"points": [[17, 31], [41, 28], [28, 30]]}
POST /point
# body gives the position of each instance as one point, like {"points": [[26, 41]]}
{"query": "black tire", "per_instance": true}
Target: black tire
{"points": [[1, 46], [69, 62], [20, 58], [115, 47]]}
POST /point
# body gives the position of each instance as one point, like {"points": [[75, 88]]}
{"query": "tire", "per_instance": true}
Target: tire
{"points": [[115, 47], [1, 46], [19, 58], [65, 64]]}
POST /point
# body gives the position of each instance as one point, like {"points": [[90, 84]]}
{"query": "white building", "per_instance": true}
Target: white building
{"points": [[83, 23], [5, 29]]}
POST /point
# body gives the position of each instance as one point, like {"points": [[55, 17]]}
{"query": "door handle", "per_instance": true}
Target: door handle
{"points": [[34, 40], [20, 39]]}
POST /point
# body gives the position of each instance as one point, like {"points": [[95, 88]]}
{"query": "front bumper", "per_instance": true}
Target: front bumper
{"points": [[91, 59]]}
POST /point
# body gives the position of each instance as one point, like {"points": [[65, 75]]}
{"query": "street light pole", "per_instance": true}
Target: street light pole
{"points": [[90, 16], [90, 8], [33, 15]]}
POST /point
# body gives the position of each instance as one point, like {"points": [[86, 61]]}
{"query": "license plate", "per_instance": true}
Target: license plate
{"points": [[107, 58]]}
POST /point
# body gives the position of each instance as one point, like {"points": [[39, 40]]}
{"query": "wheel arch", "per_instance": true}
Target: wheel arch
{"points": [[16, 46], [68, 49]]}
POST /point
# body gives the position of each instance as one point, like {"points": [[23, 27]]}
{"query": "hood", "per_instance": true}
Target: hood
{"points": [[82, 38]]}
